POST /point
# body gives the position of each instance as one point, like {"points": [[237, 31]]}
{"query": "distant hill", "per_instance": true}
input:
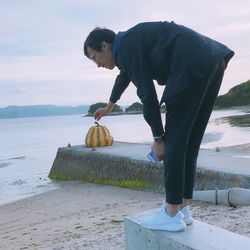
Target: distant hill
{"points": [[136, 106], [41, 110], [236, 96]]}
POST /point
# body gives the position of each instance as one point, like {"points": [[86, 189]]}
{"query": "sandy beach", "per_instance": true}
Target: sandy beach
{"points": [[87, 216]]}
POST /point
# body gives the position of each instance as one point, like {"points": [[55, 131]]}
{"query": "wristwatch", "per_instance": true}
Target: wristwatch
{"points": [[158, 139]]}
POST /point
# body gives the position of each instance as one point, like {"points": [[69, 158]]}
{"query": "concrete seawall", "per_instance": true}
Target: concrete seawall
{"points": [[200, 236], [126, 165]]}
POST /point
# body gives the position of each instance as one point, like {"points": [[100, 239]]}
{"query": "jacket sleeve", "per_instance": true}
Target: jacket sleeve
{"points": [[139, 72], [121, 83]]}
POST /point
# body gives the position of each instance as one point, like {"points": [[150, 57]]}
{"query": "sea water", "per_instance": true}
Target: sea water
{"points": [[28, 146]]}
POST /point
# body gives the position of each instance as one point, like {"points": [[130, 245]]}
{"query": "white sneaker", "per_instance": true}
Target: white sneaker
{"points": [[160, 220], [188, 219]]}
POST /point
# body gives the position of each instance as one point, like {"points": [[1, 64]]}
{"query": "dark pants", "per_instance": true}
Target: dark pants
{"points": [[187, 116]]}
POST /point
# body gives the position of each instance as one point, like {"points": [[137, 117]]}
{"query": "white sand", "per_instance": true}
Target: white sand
{"points": [[88, 216]]}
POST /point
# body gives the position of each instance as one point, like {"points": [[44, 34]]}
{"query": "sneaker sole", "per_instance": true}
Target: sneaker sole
{"points": [[166, 227], [188, 222]]}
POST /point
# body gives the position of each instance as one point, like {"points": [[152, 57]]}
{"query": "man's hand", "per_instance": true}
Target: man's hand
{"points": [[103, 111], [100, 113], [159, 149]]}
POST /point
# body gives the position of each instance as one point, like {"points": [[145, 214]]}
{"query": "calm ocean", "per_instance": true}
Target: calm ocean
{"points": [[29, 145]]}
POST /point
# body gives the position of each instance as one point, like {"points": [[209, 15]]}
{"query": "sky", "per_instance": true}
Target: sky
{"points": [[41, 58]]}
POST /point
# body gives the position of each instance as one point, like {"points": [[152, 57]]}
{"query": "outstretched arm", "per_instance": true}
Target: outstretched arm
{"points": [[121, 83], [140, 73]]}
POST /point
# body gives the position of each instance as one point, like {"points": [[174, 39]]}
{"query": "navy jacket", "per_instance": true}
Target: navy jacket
{"points": [[162, 51]]}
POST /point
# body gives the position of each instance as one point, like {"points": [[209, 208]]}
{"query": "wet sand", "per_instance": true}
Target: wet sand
{"points": [[240, 148]]}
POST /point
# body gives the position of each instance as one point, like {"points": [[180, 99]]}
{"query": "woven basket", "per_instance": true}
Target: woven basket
{"points": [[98, 136]]}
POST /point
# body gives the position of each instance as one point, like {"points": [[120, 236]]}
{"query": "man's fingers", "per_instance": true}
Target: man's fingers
{"points": [[98, 116], [160, 157]]}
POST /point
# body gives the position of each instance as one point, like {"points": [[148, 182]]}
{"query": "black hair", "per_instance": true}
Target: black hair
{"points": [[96, 37]]}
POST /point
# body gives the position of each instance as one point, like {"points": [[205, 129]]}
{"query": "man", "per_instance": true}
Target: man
{"points": [[191, 66]]}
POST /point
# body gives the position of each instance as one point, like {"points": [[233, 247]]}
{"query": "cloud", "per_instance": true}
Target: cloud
{"points": [[63, 67], [41, 58], [240, 28], [22, 90], [233, 9]]}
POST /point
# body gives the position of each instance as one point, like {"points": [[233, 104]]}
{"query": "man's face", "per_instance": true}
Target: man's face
{"points": [[103, 58]]}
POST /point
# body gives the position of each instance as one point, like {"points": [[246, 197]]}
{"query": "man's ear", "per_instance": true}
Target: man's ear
{"points": [[106, 46]]}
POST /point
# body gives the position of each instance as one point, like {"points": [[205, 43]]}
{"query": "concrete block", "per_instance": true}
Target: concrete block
{"points": [[126, 165], [199, 236]]}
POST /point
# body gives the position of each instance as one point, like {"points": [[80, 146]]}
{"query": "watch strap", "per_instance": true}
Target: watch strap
{"points": [[158, 138]]}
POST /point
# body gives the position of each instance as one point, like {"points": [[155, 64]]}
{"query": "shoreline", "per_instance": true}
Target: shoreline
{"points": [[241, 120], [20, 187], [79, 215], [245, 108], [119, 113]]}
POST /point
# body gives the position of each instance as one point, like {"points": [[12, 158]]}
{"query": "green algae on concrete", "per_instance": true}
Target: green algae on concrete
{"points": [[59, 176], [133, 184]]}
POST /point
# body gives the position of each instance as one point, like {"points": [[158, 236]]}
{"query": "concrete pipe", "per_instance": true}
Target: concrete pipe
{"points": [[231, 197]]}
